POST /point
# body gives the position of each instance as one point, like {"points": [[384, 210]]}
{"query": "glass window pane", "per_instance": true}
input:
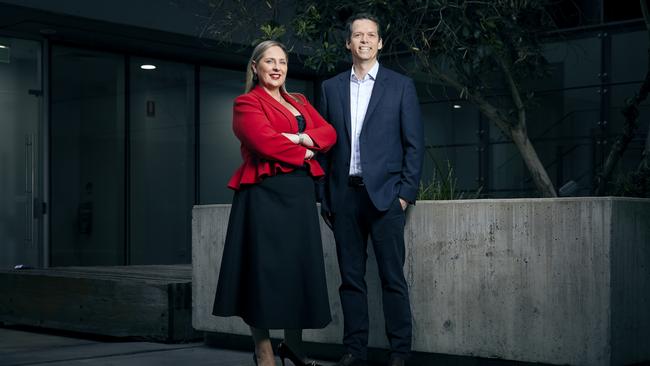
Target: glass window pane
{"points": [[629, 56], [633, 153], [463, 161], [448, 123], [508, 172], [20, 103], [219, 148], [161, 157], [577, 61], [304, 87], [87, 158]]}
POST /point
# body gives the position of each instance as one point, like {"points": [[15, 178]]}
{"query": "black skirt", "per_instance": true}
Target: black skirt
{"points": [[272, 271]]}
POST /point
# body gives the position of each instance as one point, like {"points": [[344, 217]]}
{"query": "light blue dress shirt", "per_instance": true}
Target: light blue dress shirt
{"points": [[360, 92]]}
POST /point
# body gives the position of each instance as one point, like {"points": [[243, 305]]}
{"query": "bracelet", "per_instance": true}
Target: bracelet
{"points": [[299, 138]]}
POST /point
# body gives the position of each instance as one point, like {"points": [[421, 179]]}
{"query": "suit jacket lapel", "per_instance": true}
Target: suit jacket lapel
{"points": [[375, 97], [269, 99], [344, 92]]}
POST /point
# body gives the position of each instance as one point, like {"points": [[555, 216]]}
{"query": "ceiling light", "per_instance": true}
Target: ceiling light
{"points": [[5, 52], [148, 67], [457, 106]]}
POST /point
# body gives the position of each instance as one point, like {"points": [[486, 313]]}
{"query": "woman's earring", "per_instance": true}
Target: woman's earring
{"points": [[255, 76]]}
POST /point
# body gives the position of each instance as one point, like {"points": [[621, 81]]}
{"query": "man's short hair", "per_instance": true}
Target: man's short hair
{"points": [[358, 16]]}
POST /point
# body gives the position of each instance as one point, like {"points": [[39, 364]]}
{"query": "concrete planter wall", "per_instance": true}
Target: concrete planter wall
{"points": [[562, 281]]}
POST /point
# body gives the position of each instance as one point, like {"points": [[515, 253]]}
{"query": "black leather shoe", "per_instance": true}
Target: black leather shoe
{"points": [[397, 362], [349, 360]]}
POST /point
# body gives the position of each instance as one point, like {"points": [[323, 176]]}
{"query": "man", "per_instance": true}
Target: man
{"points": [[373, 174]]}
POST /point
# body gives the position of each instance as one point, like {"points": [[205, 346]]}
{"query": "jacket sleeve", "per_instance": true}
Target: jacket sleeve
{"points": [[323, 134], [255, 131], [324, 158], [412, 142]]}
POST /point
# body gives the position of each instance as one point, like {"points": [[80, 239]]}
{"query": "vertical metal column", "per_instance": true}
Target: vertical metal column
{"points": [[127, 161], [45, 64], [197, 135], [601, 136], [29, 189]]}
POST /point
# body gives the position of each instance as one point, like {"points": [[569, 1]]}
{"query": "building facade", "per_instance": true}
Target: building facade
{"points": [[102, 157]]}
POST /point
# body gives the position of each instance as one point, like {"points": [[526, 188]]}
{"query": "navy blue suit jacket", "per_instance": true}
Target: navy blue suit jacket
{"points": [[391, 140]]}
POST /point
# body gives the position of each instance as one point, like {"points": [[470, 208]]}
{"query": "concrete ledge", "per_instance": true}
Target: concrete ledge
{"points": [[561, 281], [151, 302]]}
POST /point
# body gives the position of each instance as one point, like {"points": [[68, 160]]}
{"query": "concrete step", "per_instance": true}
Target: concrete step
{"points": [[147, 302]]}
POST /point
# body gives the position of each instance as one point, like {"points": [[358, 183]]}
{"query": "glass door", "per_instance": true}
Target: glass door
{"points": [[87, 158], [21, 207], [161, 161], [122, 159]]}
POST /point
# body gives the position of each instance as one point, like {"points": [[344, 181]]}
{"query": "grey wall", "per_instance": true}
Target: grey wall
{"points": [[630, 278], [560, 281]]}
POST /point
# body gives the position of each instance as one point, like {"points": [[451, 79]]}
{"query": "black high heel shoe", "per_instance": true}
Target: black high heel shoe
{"points": [[285, 352]]}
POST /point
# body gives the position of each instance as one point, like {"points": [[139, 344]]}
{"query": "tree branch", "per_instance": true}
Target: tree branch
{"points": [[486, 107], [515, 132], [631, 115], [514, 92], [645, 161]]}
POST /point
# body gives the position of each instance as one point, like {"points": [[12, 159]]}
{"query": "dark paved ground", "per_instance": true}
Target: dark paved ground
{"points": [[21, 347], [34, 346]]}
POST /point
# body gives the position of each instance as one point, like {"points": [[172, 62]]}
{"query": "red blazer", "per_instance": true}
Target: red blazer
{"points": [[259, 121]]}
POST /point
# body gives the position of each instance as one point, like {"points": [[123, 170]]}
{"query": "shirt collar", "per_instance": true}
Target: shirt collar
{"points": [[371, 74]]}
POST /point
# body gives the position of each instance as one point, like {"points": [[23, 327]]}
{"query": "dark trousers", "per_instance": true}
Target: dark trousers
{"points": [[355, 220]]}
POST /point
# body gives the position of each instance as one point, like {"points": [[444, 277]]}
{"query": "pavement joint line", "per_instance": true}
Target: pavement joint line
{"points": [[108, 355], [48, 348]]}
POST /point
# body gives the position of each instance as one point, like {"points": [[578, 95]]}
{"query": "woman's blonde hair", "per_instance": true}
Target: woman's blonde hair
{"points": [[258, 52]]}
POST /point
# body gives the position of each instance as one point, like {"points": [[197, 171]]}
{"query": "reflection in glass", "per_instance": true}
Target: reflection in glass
{"points": [[20, 105], [577, 61], [629, 56], [161, 158], [87, 158], [616, 122], [219, 148]]}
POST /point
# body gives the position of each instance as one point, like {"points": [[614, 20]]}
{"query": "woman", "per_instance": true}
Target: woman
{"points": [[272, 271]]}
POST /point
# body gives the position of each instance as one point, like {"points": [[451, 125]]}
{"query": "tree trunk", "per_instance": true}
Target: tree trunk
{"points": [[645, 160], [519, 134], [519, 137], [528, 153], [535, 167], [631, 114]]}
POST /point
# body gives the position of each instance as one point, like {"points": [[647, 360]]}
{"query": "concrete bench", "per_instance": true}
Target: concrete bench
{"points": [[561, 281], [150, 302]]}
